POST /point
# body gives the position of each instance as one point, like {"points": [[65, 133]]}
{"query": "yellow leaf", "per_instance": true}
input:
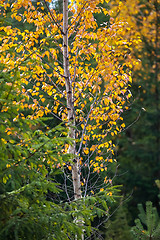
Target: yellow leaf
{"points": [[3, 140], [70, 168], [5, 178], [86, 150], [9, 133], [102, 189], [109, 194], [82, 126]]}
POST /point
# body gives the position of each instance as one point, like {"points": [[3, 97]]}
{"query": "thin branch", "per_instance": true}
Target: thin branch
{"points": [[49, 65], [65, 184], [55, 85], [138, 117], [51, 96], [50, 111], [53, 18], [86, 184], [84, 129], [75, 20]]}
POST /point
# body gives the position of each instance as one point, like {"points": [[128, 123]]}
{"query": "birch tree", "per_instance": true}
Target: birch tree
{"points": [[70, 103]]}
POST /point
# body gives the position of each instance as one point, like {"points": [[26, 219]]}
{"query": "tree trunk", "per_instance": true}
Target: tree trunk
{"points": [[70, 104]]}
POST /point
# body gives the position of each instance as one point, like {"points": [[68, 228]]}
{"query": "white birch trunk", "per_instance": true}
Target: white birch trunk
{"points": [[70, 104]]}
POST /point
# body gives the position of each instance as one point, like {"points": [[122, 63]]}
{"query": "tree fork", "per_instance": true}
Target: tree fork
{"points": [[70, 104]]}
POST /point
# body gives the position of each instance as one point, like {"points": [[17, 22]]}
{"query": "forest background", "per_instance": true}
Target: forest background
{"points": [[36, 187]]}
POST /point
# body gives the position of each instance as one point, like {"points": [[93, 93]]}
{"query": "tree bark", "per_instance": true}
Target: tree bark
{"points": [[70, 104]]}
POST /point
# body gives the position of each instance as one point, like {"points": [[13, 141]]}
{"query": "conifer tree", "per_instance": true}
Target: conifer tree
{"points": [[148, 224]]}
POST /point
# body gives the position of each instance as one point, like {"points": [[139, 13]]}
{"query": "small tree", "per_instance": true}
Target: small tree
{"points": [[148, 224]]}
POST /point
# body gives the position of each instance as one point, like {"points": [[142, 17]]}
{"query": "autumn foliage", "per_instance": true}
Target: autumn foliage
{"points": [[99, 78]]}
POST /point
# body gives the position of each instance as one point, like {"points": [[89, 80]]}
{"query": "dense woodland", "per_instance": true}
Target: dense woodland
{"points": [[79, 120]]}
